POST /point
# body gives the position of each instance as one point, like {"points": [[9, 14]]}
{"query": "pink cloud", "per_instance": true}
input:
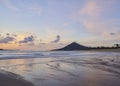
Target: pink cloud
{"points": [[92, 15]]}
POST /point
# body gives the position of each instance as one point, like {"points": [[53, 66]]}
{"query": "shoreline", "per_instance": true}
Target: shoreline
{"points": [[90, 50], [11, 79], [105, 50], [96, 50], [99, 69]]}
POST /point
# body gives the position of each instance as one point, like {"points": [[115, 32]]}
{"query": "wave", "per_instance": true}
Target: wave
{"points": [[47, 54]]}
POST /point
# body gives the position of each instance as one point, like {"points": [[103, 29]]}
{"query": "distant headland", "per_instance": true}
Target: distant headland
{"points": [[76, 46], [1, 49]]}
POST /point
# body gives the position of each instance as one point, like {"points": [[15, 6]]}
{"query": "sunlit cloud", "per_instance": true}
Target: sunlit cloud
{"points": [[7, 39], [29, 39], [25, 41], [53, 25]]}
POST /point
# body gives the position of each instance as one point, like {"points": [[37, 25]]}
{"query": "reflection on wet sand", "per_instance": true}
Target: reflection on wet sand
{"points": [[93, 71]]}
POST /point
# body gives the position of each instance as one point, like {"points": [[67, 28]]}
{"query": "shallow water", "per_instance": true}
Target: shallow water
{"points": [[73, 68]]}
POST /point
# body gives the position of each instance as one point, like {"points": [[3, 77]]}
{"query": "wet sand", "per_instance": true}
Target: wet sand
{"points": [[11, 79], [96, 69]]}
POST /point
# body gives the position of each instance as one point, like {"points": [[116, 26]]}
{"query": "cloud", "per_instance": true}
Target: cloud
{"points": [[8, 38], [42, 43], [66, 24], [8, 4], [90, 8], [33, 8], [112, 33], [57, 39], [53, 31], [28, 39], [97, 17], [31, 44]]}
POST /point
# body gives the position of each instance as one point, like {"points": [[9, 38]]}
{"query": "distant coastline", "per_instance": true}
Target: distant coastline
{"points": [[1, 49], [75, 47]]}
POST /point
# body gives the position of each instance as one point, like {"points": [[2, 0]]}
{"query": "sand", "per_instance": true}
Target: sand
{"points": [[93, 69], [11, 79]]}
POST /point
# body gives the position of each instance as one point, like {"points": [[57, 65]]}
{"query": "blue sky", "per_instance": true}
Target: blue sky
{"points": [[36, 24]]}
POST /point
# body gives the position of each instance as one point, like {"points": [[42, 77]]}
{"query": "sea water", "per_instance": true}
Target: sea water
{"points": [[64, 68], [46, 54]]}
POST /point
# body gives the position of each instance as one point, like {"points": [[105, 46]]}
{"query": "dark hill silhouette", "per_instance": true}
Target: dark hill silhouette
{"points": [[1, 49], [74, 46]]}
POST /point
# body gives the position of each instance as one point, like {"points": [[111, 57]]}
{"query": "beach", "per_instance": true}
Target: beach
{"points": [[60, 43], [11, 79], [66, 68]]}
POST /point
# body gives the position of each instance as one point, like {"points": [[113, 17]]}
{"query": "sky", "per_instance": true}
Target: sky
{"points": [[50, 24]]}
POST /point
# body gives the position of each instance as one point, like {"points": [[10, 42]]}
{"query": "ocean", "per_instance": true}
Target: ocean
{"points": [[47, 54], [64, 68]]}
